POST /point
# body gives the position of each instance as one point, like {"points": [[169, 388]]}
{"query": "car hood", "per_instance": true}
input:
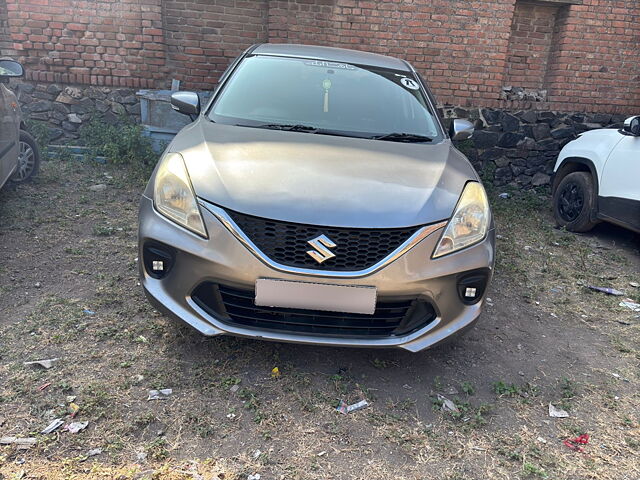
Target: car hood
{"points": [[595, 145], [321, 179]]}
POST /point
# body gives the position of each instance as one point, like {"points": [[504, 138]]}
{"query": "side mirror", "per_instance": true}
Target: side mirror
{"points": [[187, 103], [460, 129], [632, 126], [10, 69]]}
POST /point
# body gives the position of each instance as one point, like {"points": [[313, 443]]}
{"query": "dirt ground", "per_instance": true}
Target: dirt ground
{"points": [[69, 290]]}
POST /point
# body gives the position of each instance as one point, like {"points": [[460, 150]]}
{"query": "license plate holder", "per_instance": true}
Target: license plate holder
{"points": [[315, 296]]}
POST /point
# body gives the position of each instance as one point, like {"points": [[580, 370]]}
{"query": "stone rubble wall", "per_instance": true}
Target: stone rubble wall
{"points": [[520, 148], [64, 109]]}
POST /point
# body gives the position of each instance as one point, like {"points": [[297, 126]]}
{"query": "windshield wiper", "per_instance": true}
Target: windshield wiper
{"points": [[403, 137], [288, 128]]}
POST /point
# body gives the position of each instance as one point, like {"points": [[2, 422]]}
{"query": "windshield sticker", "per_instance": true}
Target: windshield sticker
{"points": [[409, 83], [326, 84], [325, 64]]}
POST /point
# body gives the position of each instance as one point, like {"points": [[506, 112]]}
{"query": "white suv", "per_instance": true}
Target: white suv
{"points": [[597, 177]]}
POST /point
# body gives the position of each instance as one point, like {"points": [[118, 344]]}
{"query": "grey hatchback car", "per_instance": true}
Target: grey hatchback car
{"points": [[19, 154], [317, 198]]}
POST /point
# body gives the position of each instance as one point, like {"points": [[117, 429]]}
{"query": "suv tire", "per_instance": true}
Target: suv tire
{"points": [[574, 202]]}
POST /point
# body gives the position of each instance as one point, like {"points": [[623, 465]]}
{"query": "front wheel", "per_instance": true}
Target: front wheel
{"points": [[574, 202], [28, 159]]}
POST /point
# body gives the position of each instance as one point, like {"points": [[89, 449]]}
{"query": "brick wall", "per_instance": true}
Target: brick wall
{"points": [[99, 42], [582, 52], [595, 61], [203, 36], [6, 46], [532, 31]]}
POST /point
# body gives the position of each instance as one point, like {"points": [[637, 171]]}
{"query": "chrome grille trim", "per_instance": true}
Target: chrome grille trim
{"points": [[411, 242]]}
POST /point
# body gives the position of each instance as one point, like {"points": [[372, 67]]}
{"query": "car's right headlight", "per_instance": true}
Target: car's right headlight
{"points": [[468, 224], [173, 194]]}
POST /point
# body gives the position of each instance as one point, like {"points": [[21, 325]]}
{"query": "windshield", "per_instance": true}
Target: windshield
{"points": [[333, 97]]}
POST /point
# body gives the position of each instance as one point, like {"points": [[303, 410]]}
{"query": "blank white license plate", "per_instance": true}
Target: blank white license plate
{"points": [[315, 296]]}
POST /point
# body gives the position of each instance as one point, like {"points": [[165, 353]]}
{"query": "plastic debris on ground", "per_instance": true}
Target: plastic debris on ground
{"points": [[344, 408], [234, 388], [575, 443], [44, 386], [634, 284], [275, 372], [20, 443], [255, 476], [607, 290], [557, 412], [73, 410], [56, 424], [76, 427], [160, 394], [86, 311], [91, 453], [627, 302], [504, 195], [447, 405], [43, 363]]}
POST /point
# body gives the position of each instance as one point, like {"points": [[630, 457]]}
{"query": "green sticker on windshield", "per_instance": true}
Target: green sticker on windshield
{"points": [[326, 84]]}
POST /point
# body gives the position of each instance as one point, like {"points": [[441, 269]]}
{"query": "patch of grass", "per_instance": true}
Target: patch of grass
{"points": [[382, 364], [468, 388], [505, 390], [157, 449], [568, 388], [103, 230], [533, 470], [120, 144]]}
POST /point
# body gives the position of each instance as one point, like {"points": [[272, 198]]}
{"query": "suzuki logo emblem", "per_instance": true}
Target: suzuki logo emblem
{"points": [[322, 244]]}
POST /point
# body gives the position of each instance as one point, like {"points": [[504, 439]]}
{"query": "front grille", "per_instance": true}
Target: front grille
{"points": [[236, 307], [286, 243]]}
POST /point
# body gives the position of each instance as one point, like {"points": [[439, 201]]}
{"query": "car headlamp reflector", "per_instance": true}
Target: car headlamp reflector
{"points": [[468, 224], [173, 194]]}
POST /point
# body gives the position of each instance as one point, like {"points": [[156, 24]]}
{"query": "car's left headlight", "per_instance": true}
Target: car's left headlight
{"points": [[174, 197], [468, 224]]}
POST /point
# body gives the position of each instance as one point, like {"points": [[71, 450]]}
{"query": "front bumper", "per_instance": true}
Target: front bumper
{"points": [[224, 260]]}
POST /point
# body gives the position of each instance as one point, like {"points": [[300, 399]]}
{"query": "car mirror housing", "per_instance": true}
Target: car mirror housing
{"points": [[461, 129], [187, 103], [10, 69], [632, 126]]}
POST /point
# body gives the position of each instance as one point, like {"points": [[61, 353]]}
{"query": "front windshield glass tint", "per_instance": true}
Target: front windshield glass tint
{"points": [[326, 95]]}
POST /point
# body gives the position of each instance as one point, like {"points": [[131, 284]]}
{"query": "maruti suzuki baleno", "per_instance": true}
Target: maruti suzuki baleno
{"points": [[317, 198]]}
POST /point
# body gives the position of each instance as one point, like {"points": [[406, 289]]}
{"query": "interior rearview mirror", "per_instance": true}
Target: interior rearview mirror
{"points": [[10, 69], [632, 126], [186, 102], [460, 129]]}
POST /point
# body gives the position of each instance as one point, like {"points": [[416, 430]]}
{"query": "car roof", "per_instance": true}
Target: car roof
{"points": [[331, 54]]}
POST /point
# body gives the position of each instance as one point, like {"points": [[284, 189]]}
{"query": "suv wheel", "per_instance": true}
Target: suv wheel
{"points": [[574, 202], [28, 159]]}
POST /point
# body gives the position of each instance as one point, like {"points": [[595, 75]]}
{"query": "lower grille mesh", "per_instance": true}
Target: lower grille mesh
{"points": [[236, 307]]}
